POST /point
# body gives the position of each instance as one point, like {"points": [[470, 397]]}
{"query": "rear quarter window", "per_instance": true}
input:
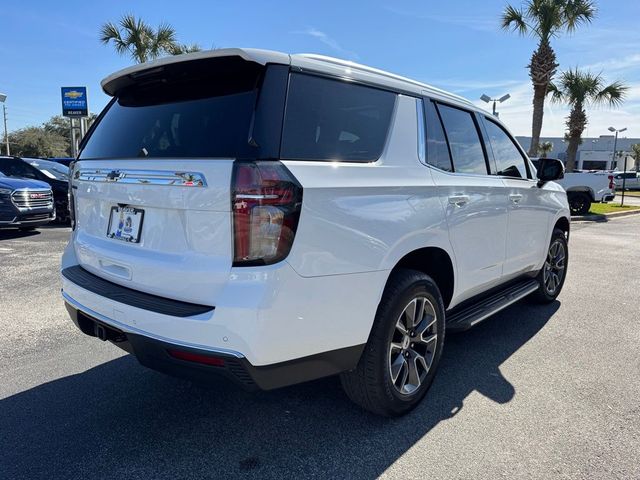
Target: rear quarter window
{"points": [[464, 141], [329, 119]]}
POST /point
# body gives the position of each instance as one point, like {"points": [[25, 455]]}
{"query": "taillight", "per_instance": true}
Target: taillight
{"points": [[71, 204], [266, 200], [612, 184]]}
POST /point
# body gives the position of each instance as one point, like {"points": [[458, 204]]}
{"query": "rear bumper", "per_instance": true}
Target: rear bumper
{"points": [[608, 197], [157, 354]]}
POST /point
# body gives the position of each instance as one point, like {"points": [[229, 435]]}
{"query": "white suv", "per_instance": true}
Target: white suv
{"points": [[278, 218]]}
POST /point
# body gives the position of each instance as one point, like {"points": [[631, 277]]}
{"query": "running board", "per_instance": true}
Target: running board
{"points": [[469, 316]]}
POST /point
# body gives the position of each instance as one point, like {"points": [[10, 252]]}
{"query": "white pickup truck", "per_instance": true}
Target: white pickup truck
{"points": [[583, 189]]}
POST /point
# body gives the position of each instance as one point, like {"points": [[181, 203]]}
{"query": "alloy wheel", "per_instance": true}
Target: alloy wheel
{"points": [[413, 345], [554, 267]]}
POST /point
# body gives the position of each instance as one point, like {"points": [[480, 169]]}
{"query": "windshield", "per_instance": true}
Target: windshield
{"points": [[53, 170]]}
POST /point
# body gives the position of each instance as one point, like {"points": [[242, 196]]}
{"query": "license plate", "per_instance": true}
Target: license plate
{"points": [[125, 224]]}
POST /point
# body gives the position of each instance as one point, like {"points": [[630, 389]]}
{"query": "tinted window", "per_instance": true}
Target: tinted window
{"points": [[509, 160], [17, 168], [437, 150], [199, 110], [52, 170], [466, 149], [334, 120]]}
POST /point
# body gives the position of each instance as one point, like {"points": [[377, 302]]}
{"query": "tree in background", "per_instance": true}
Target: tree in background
{"points": [[545, 148], [579, 90], [141, 41], [51, 139], [635, 153], [544, 20], [38, 142]]}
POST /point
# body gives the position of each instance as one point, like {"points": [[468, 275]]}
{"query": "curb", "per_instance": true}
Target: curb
{"points": [[603, 217]]}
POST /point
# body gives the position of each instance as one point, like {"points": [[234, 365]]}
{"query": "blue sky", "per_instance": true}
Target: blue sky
{"points": [[456, 45]]}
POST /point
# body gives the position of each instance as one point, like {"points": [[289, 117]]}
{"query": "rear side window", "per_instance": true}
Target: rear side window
{"points": [[466, 150], [194, 111], [334, 120], [509, 160], [437, 149]]}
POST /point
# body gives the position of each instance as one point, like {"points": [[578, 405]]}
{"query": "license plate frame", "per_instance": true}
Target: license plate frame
{"points": [[125, 223]]}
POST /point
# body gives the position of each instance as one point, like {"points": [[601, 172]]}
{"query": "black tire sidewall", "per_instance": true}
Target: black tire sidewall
{"points": [[417, 284], [586, 203], [542, 292]]}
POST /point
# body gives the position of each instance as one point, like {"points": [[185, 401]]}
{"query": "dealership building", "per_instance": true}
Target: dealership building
{"points": [[595, 153]]}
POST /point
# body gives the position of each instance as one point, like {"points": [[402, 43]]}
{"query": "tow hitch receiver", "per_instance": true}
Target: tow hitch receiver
{"points": [[100, 332]]}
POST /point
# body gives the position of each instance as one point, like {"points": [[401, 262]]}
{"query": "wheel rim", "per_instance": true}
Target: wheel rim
{"points": [[554, 267], [578, 205], [413, 345]]}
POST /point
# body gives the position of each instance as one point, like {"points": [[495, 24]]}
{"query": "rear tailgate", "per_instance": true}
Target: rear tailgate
{"points": [[184, 247], [152, 184]]}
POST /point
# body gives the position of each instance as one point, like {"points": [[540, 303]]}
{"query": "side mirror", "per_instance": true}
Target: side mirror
{"points": [[549, 169]]}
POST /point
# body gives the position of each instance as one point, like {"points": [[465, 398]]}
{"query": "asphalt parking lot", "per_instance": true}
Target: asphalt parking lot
{"points": [[534, 392]]}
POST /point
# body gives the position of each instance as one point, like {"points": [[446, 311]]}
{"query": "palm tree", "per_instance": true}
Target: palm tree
{"points": [[635, 153], [545, 148], [184, 48], [141, 41], [544, 20], [579, 90]]}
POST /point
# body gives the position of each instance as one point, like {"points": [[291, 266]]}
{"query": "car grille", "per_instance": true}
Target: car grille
{"points": [[35, 218], [32, 198]]}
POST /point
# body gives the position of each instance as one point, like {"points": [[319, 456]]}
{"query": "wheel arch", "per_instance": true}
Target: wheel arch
{"points": [[563, 224], [588, 190], [436, 263]]}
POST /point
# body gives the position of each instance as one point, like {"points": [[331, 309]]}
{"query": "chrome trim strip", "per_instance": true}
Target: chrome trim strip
{"points": [[130, 329], [249, 196], [144, 177]]}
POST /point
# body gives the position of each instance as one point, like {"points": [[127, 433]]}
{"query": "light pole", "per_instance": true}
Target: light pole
{"points": [[488, 99], [624, 173], [3, 98]]}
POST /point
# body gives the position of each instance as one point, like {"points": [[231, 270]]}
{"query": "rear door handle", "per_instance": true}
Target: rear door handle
{"points": [[459, 200], [515, 198]]}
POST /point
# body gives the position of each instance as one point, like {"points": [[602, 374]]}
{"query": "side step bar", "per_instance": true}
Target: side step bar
{"points": [[473, 314]]}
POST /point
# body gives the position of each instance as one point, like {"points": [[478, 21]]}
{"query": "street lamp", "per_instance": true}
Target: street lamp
{"points": [[3, 97], [624, 172], [488, 99]]}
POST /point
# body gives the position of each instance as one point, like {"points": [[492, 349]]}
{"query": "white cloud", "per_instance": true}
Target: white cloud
{"points": [[472, 22], [328, 41]]}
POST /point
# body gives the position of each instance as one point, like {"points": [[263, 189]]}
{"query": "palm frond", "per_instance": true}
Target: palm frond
{"points": [[164, 40], [514, 19], [110, 33], [578, 12], [612, 95], [556, 94], [181, 48]]}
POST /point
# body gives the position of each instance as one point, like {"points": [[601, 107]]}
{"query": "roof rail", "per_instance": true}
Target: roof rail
{"points": [[383, 73]]}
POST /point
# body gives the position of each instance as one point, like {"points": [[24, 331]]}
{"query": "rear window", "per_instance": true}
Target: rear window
{"points": [[203, 111], [334, 120]]}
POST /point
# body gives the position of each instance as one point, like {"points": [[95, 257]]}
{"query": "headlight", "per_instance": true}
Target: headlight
{"points": [[5, 191]]}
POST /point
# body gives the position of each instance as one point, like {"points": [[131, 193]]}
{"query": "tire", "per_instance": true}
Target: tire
{"points": [[370, 384], [62, 213], [550, 271], [579, 203]]}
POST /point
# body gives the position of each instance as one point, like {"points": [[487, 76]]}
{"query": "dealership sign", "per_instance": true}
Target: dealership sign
{"points": [[74, 102]]}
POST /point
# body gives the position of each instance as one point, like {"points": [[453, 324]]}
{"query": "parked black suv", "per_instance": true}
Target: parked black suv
{"points": [[25, 204], [52, 173]]}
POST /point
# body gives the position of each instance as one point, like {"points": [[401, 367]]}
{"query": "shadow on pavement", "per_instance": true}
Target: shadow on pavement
{"points": [[121, 420], [12, 233]]}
